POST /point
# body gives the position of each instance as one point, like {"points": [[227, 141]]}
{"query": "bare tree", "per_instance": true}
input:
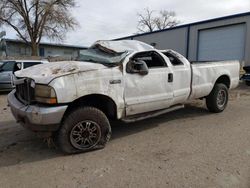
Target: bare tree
{"points": [[151, 20], [146, 21], [166, 19], [35, 19]]}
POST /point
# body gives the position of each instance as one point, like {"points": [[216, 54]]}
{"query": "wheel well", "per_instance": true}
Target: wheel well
{"points": [[224, 80], [102, 102]]}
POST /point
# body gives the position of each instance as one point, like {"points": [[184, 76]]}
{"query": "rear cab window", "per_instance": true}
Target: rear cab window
{"points": [[174, 60]]}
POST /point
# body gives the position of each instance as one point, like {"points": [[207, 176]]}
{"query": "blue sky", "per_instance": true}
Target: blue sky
{"points": [[112, 19]]}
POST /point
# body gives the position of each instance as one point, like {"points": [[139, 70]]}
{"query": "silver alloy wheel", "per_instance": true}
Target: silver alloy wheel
{"points": [[221, 98], [85, 135]]}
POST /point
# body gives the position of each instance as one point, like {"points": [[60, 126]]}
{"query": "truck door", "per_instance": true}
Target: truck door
{"points": [[150, 92], [182, 76]]}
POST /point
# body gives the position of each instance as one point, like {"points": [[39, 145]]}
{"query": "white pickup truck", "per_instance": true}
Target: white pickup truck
{"points": [[74, 101]]}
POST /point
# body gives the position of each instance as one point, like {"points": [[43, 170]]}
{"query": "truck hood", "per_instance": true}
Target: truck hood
{"points": [[45, 73]]}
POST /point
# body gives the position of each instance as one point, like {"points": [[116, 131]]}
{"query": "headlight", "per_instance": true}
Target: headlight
{"points": [[45, 94]]}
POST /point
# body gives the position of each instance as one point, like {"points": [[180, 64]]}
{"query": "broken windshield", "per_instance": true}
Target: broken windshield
{"points": [[103, 56]]}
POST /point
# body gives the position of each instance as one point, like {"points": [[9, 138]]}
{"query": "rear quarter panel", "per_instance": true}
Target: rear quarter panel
{"points": [[205, 76]]}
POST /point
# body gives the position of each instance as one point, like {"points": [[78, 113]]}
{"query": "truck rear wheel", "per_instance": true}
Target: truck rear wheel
{"points": [[248, 83], [218, 98], [84, 129]]}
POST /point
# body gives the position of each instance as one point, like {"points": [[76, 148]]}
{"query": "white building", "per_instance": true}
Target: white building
{"points": [[18, 48]]}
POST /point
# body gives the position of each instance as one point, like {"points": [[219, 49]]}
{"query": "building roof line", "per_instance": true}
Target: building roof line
{"points": [[188, 25], [46, 44]]}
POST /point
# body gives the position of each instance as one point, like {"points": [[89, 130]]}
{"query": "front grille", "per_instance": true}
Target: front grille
{"points": [[24, 91]]}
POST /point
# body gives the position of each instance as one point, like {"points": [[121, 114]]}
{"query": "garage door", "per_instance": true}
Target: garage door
{"points": [[224, 43]]}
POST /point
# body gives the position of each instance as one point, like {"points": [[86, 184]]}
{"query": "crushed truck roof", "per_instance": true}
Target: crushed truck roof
{"points": [[123, 45]]}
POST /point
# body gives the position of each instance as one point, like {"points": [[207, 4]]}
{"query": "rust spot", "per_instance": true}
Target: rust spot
{"points": [[71, 70], [56, 71], [63, 70]]}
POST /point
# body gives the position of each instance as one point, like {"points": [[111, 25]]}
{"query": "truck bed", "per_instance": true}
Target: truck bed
{"points": [[205, 74]]}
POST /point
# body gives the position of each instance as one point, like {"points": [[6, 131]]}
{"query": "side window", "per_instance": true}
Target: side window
{"points": [[173, 59], [30, 64], [152, 59], [8, 66]]}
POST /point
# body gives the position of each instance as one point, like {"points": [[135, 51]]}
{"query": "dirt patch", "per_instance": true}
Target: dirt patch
{"points": [[187, 148]]}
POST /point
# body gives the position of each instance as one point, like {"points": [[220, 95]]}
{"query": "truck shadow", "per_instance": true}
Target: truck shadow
{"points": [[19, 146], [4, 92], [121, 129]]}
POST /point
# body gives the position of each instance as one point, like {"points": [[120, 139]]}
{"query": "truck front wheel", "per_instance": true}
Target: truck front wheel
{"points": [[84, 129], [218, 98]]}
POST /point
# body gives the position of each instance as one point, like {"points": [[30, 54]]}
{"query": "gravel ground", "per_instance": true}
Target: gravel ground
{"points": [[186, 148]]}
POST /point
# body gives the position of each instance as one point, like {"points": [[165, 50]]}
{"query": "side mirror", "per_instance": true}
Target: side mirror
{"points": [[137, 66]]}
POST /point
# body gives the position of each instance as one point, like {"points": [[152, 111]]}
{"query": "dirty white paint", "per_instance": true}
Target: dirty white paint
{"points": [[124, 45], [203, 75], [206, 74], [132, 93], [45, 73], [153, 91], [182, 78], [85, 83]]}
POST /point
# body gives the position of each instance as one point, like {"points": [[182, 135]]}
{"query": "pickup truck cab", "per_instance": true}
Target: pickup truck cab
{"points": [[74, 101], [7, 68]]}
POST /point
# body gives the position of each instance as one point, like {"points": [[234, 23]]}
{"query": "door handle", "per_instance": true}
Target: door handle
{"points": [[170, 77]]}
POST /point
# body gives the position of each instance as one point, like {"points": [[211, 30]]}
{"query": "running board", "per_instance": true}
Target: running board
{"points": [[143, 116]]}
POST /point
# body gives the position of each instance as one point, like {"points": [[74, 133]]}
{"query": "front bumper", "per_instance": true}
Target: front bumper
{"points": [[34, 117]]}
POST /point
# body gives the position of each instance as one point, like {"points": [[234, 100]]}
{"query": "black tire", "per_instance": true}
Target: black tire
{"points": [[217, 100], [80, 125], [248, 83]]}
